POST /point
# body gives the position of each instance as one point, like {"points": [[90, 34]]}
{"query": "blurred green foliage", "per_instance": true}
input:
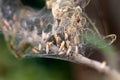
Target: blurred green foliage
{"points": [[108, 51]]}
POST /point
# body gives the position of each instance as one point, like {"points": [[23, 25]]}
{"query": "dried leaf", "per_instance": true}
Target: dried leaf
{"points": [[62, 45], [76, 50], [40, 47], [67, 43], [66, 36], [69, 49], [47, 48], [35, 50], [61, 53], [103, 64], [76, 40]]}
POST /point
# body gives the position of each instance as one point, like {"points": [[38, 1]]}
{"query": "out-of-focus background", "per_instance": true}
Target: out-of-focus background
{"points": [[107, 14]]}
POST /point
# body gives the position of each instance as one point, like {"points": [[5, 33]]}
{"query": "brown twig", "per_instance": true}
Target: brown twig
{"points": [[101, 67]]}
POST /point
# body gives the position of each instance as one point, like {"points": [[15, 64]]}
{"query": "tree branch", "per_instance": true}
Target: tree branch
{"points": [[112, 74]]}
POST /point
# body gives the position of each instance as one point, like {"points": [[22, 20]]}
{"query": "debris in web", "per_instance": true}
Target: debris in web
{"points": [[53, 33]]}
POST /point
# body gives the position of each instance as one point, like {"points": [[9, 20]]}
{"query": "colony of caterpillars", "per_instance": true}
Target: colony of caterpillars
{"points": [[70, 22], [65, 38]]}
